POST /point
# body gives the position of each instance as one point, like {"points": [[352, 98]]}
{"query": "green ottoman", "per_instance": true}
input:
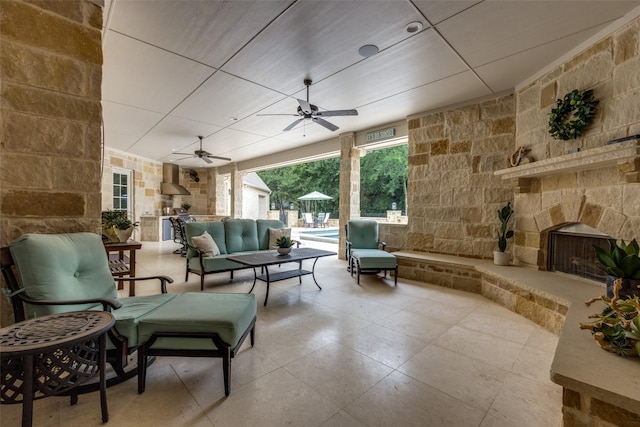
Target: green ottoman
{"points": [[372, 261], [197, 325]]}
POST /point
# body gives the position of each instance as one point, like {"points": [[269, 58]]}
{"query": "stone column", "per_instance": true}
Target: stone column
{"points": [[236, 192], [215, 183], [349, 185]]}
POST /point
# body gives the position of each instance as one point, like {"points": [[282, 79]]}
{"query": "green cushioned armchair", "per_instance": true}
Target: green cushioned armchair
{"points": [[70, 272], [365, 253]]}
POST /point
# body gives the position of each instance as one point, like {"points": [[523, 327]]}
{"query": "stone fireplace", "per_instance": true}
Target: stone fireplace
{"points": [[596, 188]]}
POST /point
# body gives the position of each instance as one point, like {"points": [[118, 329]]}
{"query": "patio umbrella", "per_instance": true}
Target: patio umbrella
{"points": [[314, 196]]}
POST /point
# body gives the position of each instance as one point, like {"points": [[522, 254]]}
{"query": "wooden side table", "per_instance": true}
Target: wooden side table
{"points": [[51, 355], [120, 266]]}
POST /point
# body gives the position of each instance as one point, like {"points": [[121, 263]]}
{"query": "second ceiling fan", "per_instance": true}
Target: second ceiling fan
{"points": [[307, 110], [203, 155]]}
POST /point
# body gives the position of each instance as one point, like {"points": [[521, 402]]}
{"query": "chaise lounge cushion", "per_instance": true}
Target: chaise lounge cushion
{"points": [[229, 315], [374, 259]]}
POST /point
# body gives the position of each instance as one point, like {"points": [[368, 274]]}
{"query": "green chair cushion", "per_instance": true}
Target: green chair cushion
{"points": [[216, 263], [215, 229], [363, 234], [133, 309], [241, 235], [62, 267], [263, 231], [374, 259], [228, 315]]}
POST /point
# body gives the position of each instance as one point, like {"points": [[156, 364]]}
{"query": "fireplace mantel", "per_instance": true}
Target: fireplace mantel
{"points": [[594, 158]]}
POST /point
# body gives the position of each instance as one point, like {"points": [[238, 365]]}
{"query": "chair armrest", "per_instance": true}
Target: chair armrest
{"points": [[163, 280], [383, 244], [107, 303]]}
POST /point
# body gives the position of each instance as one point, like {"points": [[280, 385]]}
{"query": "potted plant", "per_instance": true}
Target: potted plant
{"points": [[621, 261], [116, 226], [186, 206], [617, 327], [284, 244], [500, 257]]}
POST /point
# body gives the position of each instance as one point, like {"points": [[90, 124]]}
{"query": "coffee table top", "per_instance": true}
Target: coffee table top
{"points": [[272, 257]]}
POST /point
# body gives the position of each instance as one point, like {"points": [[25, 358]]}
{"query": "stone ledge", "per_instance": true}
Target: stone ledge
{"points": [[578, 365]]}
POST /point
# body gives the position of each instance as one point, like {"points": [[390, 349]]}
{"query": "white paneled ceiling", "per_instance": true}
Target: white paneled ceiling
{"points": [[176, 69]]}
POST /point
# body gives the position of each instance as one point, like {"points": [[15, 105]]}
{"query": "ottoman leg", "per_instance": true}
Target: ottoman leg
{"points": [[226, 368], [142, 368]]}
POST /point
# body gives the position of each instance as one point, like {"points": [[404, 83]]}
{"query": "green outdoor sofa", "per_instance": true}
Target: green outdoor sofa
{"points": [[232, 237]]}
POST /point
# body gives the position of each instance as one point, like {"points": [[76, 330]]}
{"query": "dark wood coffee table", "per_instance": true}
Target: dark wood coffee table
{"points": [[266, 259]]}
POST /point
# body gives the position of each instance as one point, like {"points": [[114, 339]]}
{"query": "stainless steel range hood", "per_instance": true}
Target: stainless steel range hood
{"points": [[170, 178]]}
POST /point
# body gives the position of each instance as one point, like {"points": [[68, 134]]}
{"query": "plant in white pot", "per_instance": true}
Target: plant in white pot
{"points": [[284, 244], [116, 226], [501, 257]]}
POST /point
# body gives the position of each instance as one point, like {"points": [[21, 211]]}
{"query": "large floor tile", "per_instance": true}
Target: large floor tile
{"points": [[400, 400]]}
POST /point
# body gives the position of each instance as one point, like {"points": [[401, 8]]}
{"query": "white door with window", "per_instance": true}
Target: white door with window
{"points": [[123, 191]]}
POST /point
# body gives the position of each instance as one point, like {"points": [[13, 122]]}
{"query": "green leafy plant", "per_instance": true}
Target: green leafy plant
{"points": [[572, 114], [186, 206], [285, 242], [621, 260], [116, 219], [504, 215]]}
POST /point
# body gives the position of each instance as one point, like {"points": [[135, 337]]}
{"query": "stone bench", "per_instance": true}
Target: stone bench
{"points": [[597, 385]]}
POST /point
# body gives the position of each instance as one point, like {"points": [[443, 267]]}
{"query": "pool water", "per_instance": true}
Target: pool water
{"points": [[328, 235]]}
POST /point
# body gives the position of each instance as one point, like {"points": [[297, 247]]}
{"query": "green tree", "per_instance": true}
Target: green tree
{"points": [[383, 178]]}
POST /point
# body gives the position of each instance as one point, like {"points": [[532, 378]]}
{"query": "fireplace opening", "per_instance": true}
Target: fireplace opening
{"points": [[571, 251]]}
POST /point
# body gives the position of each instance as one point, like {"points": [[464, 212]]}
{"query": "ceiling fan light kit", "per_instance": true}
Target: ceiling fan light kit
{"points": [[307, 110]]}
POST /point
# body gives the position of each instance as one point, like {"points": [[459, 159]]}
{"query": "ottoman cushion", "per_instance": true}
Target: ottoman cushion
{"points": [[374, 258], [228, 315]]}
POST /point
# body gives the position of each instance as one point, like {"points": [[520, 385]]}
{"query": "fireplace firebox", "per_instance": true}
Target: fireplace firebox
{"points": [[571, 251]]}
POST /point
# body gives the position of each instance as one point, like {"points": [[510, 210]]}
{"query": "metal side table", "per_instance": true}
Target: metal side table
{"points": [[52, 355]]}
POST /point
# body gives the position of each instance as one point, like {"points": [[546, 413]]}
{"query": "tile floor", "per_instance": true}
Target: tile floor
{"points": [[348, 355]]}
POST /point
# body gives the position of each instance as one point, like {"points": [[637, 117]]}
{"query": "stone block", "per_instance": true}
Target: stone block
{"points": [[505, 125], [478, 230], [467, 197], [471, 214], [631, 200], [603, 47], [414, 124], [76, 175], [527, 204], [50, 32], [626, 77], [527, 100], [32, 100], [532, 240], [557, 215], [35, 134], [630, 228], [609, 196], [591, 214], [500, 296], [439, 147], [69, 9], [626, 44], [621, 111], [460, 147], [557, 182], [498, 108], [42, 204], [494, 144], [614, 414], [548, 95], [25, 171]]}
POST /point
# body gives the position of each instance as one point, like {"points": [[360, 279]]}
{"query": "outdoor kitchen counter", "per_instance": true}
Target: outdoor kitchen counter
{"points": [[151, 226], [579, 365]]}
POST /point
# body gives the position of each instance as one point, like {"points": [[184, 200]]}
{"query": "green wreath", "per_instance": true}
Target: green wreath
{"points": [[579, 106]]}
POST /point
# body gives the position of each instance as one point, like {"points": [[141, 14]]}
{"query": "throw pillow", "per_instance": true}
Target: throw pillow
{"points": [[206, 244], [276, 233]]}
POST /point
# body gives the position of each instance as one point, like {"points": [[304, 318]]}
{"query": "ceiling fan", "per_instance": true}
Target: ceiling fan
{"points": [[309, 111], [204, 155]]}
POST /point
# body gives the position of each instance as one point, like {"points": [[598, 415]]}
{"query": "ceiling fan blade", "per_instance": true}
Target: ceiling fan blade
{"points": [[337, 113], [183, 154], [292, 115], [326, 124], [292, 125], [211, 156], [305, 106], [206, 159]]}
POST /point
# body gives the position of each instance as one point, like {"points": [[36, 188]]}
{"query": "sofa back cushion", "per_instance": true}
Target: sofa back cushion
{"points": [[263, 231], [62, 267], [215, 229], [241, 235]]}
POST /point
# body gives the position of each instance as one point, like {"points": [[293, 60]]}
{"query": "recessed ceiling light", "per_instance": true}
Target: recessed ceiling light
{"points": [[413, 27], [233, 118], [368, 50]]}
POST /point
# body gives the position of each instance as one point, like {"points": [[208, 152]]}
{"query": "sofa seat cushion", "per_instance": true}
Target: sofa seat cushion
{"points": [[374, 259], [215, 263], [228, 315], [133, 309]]}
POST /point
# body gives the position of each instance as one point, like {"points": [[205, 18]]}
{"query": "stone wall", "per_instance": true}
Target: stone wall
{"points": [[453, 193], [607, 198], [51, 67]]}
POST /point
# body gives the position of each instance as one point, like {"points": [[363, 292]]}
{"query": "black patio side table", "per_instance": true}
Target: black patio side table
{"points": [[51, 355]]}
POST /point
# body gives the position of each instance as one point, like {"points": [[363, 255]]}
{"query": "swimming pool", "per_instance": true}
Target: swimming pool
{"points": [[329, 235]]}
